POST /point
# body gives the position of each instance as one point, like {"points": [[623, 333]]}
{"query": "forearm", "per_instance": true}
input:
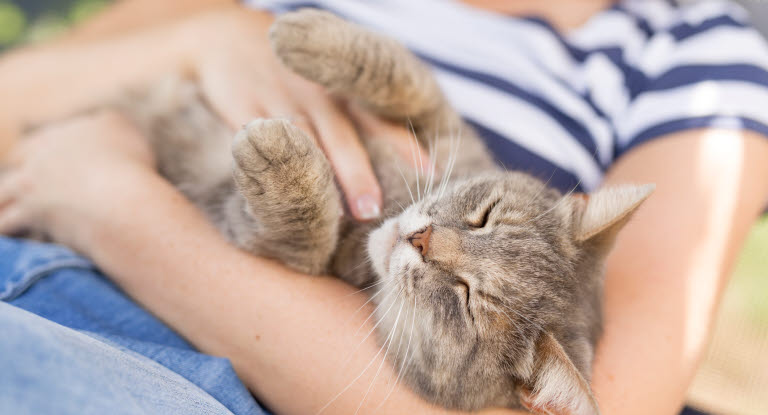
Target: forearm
{"points": [[292, 338], [88, 73], [47, 82], [671, 262]]}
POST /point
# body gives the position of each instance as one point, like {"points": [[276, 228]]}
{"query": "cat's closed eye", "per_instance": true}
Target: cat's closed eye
{"points": [[483, 221]]}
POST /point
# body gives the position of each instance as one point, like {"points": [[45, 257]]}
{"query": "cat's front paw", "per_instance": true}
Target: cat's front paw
{"points": [[289, 191], [270, 150], [312, 43]]}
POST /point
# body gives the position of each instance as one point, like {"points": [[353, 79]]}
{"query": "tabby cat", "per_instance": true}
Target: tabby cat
{"points": [[492, 279]]}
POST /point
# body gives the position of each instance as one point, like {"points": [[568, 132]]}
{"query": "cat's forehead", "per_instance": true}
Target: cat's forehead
{"points": [[510, 190]]}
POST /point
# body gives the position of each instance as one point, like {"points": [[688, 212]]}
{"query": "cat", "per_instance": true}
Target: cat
{"points": [[492, 279]]}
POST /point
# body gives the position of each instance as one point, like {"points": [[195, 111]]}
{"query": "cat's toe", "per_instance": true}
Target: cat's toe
{"points": [[265, 143]]}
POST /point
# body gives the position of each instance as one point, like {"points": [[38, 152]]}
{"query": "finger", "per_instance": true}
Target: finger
{"points": [[349, 159], [12, 220], [399, 136], [9, 185], [279, 106]]}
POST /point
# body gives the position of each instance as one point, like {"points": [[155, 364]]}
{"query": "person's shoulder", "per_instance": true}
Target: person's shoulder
{"points": [[691, 65]]}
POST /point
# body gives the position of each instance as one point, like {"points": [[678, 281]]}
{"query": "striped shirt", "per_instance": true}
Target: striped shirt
{"points": [[565, 106]]}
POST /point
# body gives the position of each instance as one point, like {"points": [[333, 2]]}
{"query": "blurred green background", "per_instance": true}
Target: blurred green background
{"points": [[751, 274], [737, 360], [34, 20]]}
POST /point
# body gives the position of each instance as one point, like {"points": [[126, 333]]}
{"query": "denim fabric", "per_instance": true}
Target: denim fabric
{"points": [[124, 341], [106, 354], [50, 369]]}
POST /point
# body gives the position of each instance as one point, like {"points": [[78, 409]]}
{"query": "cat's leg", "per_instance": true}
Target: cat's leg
{"points": [[384, 76], [355, 63], [289, 207]]}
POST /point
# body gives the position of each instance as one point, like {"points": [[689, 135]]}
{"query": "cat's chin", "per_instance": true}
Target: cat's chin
{"points": [[381, 242]]}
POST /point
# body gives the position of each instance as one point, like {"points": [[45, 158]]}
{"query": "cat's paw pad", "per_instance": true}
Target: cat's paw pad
{"points": [[265, 144], [308, 40]]}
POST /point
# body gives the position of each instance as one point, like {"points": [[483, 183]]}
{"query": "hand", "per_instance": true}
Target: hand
{"points": [[58, 177], [227, 50], [244, 80]]}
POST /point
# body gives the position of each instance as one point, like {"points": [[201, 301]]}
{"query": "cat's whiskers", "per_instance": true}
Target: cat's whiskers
{"points": [[404, 363], [511, 320], [387, 297], [415, 140], [363, 305], [390, 337], [368, 260], [443, 179], [348, 273], [407, 186], [433, 164], [538, 193], [517, 313], [400, 343], [348, 359], [416, 163], [428, 171], [346, 388], [363, 289], [433, 152], [402, 208], [559, 202], [453, 155], [392, 295]]}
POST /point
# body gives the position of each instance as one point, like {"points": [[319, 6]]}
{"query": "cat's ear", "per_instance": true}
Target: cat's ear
{"points": [[605, 212], [556, 387]]}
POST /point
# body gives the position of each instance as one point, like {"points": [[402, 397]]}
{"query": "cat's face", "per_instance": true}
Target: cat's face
{"points": [[471, 279]]}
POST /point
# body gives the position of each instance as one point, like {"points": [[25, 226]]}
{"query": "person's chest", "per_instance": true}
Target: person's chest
{"points": [[516, 80]]}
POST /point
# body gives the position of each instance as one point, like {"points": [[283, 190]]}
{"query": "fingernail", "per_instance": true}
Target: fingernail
{"points": [[367, 207]]}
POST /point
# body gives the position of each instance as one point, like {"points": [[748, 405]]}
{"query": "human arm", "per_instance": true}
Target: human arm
{"points": [[667, 271], [27, 75], [225, 48], [664, 280], [286, 332], [287, 335], [125, 16]]}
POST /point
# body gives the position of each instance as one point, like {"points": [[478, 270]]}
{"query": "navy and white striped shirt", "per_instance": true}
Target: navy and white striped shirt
{"points": [[564, 107]]}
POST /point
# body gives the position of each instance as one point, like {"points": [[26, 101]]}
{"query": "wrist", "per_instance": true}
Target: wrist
{"points": [[118, 152], [107, 209], [141, 212]]}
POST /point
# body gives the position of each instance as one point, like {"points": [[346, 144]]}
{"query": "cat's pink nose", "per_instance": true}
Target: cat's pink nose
{"points": [[420, 240]]}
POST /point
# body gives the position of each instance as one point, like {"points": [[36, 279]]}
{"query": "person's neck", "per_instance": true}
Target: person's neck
{"points": [[563, 14]]}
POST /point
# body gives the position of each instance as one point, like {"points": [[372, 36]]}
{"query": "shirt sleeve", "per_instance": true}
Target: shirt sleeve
{"points": [[707, 68]]}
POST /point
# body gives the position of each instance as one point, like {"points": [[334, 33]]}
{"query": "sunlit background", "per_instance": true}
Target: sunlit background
{"points": [[733, 378]]}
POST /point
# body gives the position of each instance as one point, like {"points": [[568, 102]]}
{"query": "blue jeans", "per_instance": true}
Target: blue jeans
{"points": [[73, 343]]}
